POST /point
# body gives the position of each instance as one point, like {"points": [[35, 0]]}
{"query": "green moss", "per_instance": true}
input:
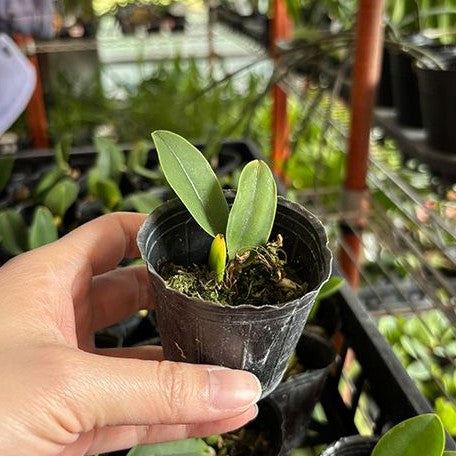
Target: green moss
{"points": [[257, 277]]}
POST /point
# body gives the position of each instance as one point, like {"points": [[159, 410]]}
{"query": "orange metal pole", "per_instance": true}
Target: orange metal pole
{"points": [[349, 256], [366, 74], [281, 28], [35, 113]]}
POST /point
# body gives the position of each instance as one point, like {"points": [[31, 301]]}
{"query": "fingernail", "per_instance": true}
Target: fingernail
{"points": [[255, 412], [233, 389]]}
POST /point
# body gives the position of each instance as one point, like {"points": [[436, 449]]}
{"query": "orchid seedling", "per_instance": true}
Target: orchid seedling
{"points": [[249, 221]]}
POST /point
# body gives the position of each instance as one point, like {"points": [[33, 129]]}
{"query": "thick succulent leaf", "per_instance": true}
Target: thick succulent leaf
{"points": [[93, 176], [47, 181], [144, 202], [61, 196], [108, 192], [6, 167], [192, 178], [253, 212], [110, 160], [189, 447], [13, 232], [43, 229], [420, 435], [137, 161], [62, 153], [330, 287], [137, 157], [447, 413]]}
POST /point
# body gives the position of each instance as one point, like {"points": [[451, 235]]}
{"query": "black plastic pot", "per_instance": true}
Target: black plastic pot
{"points": [[438, 103], [384, 96], [404, 84], [296, 397], [257, 339], [127, 333], [355, 445], [269, 424], [226, 162]]}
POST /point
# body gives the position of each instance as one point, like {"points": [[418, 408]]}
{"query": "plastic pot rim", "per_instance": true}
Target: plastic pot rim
{"points": [[443, 57], [223, 308]]}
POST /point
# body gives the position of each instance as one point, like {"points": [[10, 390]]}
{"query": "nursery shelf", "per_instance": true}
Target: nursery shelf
{"points": [[113, 47], [408, 261], [412, 143]]}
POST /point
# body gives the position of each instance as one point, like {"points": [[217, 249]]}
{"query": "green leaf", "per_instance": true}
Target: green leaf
{"points": [[137, 160], [436, 322], [330, 287], [419, 371], [108, 192], [414, 348], [189, 447], [110, 160], [253, 211], [217, 257], [390, 328], [6, 167], [144, 202], [137, 157], [42, 230], [449, 453], [62, 153], [447, 413], [13, 232], [47, 181], [417, 330], [420, 435], [93, 176], [61, 196], [192, 178]]}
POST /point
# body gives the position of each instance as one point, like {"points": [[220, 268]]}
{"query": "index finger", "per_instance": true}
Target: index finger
{"points": [[102, 243]]}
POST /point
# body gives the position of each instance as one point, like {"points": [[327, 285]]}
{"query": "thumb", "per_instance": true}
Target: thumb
{"points": [[115, 391]]}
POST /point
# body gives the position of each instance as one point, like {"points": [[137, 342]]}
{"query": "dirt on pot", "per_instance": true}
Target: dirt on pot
{"points": [[256, 277]]}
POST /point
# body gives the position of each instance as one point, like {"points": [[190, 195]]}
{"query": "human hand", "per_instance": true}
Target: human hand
{"points": [[61, 396]]}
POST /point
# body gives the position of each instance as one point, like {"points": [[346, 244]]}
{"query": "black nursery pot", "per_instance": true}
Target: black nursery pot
{"points": [[296, 397], [384, 96], [404, 84], [355, 445], [438, 103], [258, 339]]}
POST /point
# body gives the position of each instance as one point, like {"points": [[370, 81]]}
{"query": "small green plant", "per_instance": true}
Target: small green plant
{"points": [[243, 267], [249, 222], [189, 447], [426, 345], [104, 178], [420, 435], [58, 188], [16, 237]]}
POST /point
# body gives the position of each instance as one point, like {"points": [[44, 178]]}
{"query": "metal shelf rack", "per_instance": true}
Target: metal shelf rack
{"points": [[409, 224]]}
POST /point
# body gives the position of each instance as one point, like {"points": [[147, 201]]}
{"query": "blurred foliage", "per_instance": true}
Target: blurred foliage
{"points": [[179, 96], [105, 6], [76, 109], [407, 17], [426, 346]]}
